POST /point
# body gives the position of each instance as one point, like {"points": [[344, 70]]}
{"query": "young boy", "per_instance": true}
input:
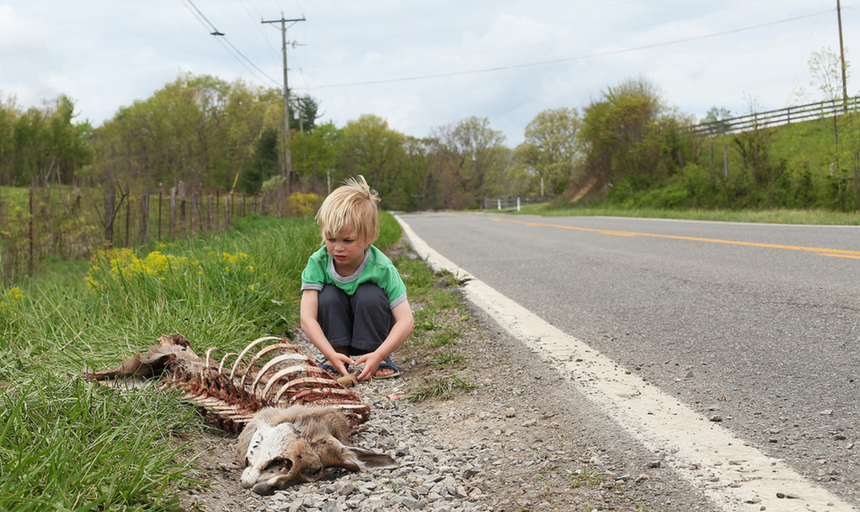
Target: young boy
{"points": [[353, 299]]}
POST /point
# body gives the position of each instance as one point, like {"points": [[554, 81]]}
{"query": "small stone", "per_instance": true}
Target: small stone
{"points": [[510, 412], [346, 489], [330, 506], [826, 412], [413, 504]]}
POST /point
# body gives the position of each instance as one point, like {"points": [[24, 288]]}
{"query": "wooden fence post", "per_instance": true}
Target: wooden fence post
{"points": [[181, 208], [127, 219], [226, 212], [160, 193], [144, 216], [110, 213], [217, 205], [195, 213], [172, 222], [209, 214]]}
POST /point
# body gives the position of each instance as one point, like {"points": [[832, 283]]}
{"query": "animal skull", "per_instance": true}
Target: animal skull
{"points": [[281, 447]]}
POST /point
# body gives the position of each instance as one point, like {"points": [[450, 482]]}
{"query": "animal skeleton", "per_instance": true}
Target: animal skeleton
{"points": [[285, 441], [276, 375]]}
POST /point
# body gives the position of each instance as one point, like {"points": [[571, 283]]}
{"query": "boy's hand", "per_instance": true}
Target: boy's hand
{"points": [[371, 362], [339, 362]]}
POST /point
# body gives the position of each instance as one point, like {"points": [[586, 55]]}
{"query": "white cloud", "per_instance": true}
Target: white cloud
{"points": [[558, 53]]}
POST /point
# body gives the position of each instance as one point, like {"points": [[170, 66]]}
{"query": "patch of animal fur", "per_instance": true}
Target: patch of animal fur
{"points": [[281, 447]]}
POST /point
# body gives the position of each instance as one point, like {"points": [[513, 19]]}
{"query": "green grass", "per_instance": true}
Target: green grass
{"points": [[67, 444], [812, 217], [448, 358], [444, 338], [72, 445], [585, 477], [439, 387]]}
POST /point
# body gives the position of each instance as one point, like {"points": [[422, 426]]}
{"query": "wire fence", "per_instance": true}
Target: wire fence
{"points": [[72, 222]]}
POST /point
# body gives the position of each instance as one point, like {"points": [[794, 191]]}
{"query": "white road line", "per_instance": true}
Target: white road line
{"points": [[736, 477]]}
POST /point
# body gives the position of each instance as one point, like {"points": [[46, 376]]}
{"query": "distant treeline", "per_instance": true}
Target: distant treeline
{"points": [[626, 147]]}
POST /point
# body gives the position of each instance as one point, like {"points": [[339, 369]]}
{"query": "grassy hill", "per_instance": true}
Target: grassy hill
{"points": [[802, 166]]}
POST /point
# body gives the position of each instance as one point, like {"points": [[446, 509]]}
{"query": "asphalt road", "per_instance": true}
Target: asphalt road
{"points": [[757, 325]]}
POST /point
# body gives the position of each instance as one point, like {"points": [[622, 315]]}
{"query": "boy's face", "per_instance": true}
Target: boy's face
{"points": [[346, 251]]}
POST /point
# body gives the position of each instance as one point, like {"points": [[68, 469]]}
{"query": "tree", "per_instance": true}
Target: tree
{"points": [[422, 179], [263, 163], [316, 153], [552, 148], [67, 143], [826, 69], [374, 150], [718, 116], [470, 158], [306, 110], [8, 113], [616, 133], [197, 129], [42, 144]]}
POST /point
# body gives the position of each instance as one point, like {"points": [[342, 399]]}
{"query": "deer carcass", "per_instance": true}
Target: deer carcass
{"points": [[298, 416]]}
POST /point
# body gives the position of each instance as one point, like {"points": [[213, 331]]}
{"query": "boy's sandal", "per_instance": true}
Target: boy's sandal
{"points": [[387, 364], [324, 364]]}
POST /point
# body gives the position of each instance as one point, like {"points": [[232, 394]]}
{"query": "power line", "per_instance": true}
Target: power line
{"points": [[215, 31], [568, 59], [222, 39]]}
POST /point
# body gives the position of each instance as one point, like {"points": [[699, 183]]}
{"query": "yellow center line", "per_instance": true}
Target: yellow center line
{"points": [[819, 250]]}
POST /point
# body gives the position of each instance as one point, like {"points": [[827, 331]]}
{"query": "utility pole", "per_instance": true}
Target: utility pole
{"points": [[287, 163], [842, 59]]}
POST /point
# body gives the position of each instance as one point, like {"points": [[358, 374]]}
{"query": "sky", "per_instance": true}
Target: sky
{"points": [[426, 64]]}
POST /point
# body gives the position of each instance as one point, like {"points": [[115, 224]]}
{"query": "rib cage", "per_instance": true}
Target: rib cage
{"points": [[269, 371]]}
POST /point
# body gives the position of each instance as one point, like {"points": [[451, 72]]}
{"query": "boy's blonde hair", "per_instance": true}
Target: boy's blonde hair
{"points": [[352, 205]]}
